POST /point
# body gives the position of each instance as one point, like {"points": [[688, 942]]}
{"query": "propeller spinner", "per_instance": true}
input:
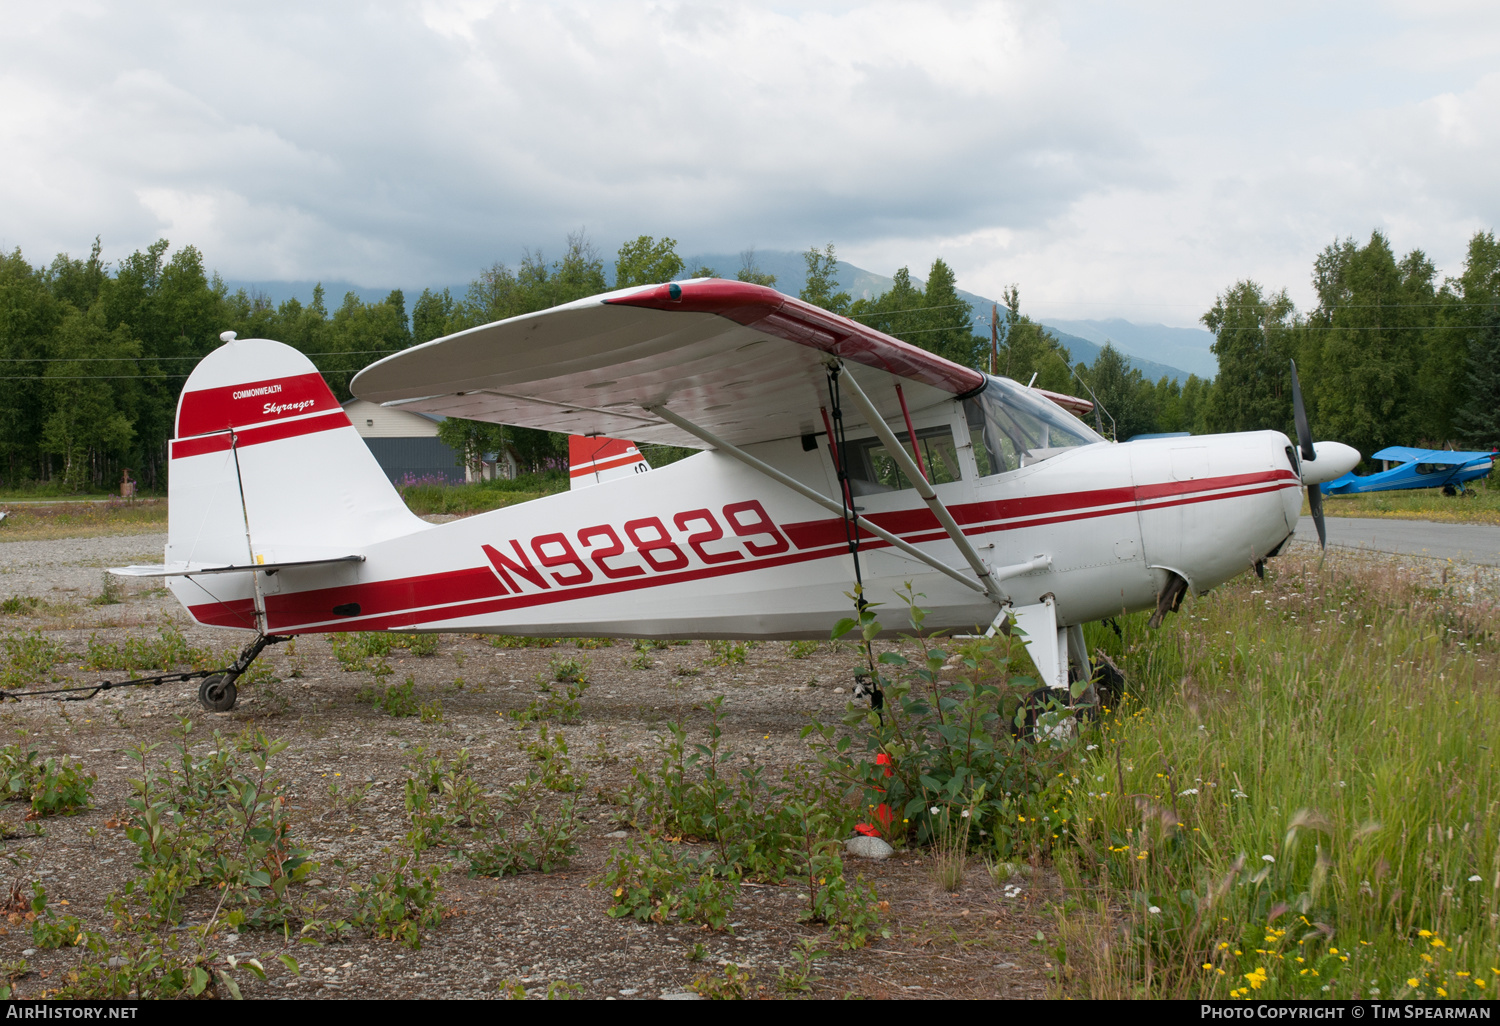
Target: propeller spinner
{"points": [[1321, 461]]}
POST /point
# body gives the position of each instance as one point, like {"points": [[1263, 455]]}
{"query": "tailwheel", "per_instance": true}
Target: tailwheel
{"points": [[217, 693]]}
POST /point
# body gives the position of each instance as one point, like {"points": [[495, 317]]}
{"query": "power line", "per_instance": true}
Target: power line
{"points": [[113, 359]]}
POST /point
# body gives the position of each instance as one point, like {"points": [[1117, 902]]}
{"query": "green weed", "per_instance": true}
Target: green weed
{"points": [[735, 984], [29, 658], [654, 883], [111, 592], [399, 902], [556, 769], [565, 706], [167, 650], [727, 653], [397, 700], [56, 786], [569, 669]]}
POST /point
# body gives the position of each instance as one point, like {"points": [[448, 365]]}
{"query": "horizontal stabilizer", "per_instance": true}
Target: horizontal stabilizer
{"points": [[595, 459], [198, 569]]}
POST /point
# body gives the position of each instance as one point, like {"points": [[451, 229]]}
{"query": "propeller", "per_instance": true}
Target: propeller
{"points": [[1309, 455]]}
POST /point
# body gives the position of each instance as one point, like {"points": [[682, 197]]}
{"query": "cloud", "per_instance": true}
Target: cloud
{"points": [[1099, 154]]}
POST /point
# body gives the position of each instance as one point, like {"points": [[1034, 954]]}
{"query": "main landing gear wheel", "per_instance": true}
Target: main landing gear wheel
{"points": [[217, 693]]}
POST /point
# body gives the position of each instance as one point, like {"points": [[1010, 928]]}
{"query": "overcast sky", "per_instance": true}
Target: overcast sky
{"points": [[1114, 159]]}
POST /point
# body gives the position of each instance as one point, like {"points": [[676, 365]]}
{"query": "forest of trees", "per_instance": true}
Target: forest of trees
{"points": [[94, 355]]}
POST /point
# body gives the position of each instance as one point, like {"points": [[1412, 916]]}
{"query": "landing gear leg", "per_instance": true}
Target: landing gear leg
{"points": [[218, 692]]}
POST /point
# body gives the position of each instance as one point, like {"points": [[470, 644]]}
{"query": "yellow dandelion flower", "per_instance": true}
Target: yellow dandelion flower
{"points": [[1411, 982]]}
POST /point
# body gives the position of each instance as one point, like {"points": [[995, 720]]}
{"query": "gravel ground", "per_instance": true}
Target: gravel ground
{"points": [[537, 928]]}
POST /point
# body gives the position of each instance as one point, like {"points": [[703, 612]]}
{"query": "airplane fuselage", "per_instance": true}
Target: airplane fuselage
{"points": [[707, 547]]}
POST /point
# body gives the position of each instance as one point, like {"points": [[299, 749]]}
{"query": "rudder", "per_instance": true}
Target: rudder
{"points": [[266, 467]]}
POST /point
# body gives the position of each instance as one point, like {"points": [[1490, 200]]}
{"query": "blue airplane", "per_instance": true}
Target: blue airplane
{"points": [[1415, 468]]}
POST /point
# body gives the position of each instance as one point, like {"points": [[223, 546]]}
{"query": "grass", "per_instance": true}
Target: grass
{"points": [[1480, 505], [83, 520], [1300, 799], [481, 496]]}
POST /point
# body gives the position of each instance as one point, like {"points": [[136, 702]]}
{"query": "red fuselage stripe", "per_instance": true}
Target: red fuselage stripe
{"points": [[477, 591]]}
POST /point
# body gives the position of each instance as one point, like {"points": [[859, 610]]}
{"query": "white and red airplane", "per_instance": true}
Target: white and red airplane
{"points": [[281, 522]]}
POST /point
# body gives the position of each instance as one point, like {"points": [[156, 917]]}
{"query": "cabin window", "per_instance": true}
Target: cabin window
{"points": [[873, 469], [1012, 427]]}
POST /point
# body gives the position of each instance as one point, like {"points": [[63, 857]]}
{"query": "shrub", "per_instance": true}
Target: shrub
{"points": [[942, 745], [654, 883], [168, 649], [399, 902], [569, 669], [704, 790], [551, 750], [29, 657], [397, 700], [735, 985], [542, 844], [727, 653], [217, 821], [49, 930], [565, 706], [56, 786]]}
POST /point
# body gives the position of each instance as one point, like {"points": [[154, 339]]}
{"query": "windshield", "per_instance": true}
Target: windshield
{"points": [[1011, 427]]}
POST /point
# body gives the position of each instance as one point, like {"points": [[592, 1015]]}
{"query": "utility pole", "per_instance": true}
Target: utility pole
{"points": [[994, 339]]}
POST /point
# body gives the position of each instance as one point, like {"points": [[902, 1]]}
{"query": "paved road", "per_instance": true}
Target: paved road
{"points": [[1468, 543]]}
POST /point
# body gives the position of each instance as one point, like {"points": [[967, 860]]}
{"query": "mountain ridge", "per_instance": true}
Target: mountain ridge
{"points": [[1156, 350]]}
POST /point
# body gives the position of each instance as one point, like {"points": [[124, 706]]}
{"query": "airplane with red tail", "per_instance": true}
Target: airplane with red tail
{"points": [[831, 454]]}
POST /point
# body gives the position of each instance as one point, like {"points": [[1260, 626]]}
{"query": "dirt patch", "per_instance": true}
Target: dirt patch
{"points": [[536, 928]]}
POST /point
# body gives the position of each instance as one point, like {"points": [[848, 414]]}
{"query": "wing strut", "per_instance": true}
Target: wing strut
{"points": [[820, 499], [919, 481]]}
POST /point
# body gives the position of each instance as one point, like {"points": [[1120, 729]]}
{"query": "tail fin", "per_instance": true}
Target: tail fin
{"points": [[594, 459], [266, 467]]}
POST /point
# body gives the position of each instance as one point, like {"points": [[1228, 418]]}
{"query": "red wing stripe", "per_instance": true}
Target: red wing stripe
{"points": [[273, 432], [767, 310]]}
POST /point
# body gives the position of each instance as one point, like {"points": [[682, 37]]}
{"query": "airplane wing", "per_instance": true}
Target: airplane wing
{"points": [[1074, 405], [1443, 457], [744, 361]]}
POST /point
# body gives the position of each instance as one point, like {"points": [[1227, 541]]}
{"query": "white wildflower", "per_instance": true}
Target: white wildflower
{"points": [[965, 814], [1154, 910], [1475, 878], [1191, 790], [1268, 858]]}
